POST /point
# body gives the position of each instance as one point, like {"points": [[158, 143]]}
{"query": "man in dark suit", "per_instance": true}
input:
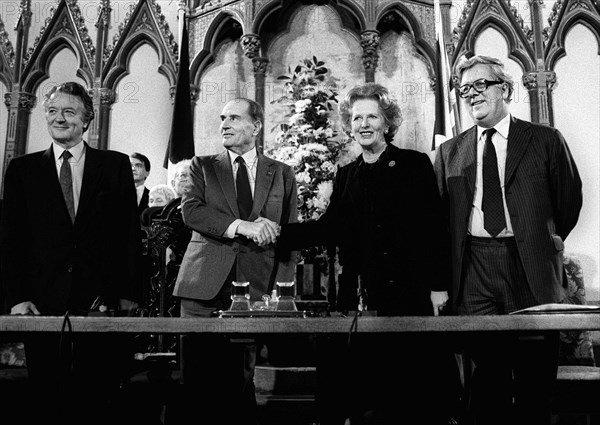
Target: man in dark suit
{"points": [[234, 205], [140, 167], [513, 194], [70, 244]]}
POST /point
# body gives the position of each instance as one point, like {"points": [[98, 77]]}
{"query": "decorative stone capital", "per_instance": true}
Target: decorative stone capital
{"points": [[369, 41], [260, 65], [24, 100], [107, 96], [432, 83], [530, 80], [194, 92], [550, 79], [251, 45], [539, 79]]}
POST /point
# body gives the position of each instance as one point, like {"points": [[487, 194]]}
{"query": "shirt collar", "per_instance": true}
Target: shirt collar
{"points": [[249, 157], [76, 151], [501, 127]]}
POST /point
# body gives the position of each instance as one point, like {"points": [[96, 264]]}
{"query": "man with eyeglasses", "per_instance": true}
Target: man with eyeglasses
{"points": [[513, 194]]}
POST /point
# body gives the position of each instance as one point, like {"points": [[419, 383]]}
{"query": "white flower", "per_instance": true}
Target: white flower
{"points": [[296, 119], [315, 147], [325, 189], [303, 177]]}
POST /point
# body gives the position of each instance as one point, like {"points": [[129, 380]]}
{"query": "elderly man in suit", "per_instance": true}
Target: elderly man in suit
{"points": [[70, 244], [235, 203], [513, 194]]}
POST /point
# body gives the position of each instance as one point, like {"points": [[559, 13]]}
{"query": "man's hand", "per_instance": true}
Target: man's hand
{"points": [[276, 227], [438, 300], [26, 307], [262, 231]]}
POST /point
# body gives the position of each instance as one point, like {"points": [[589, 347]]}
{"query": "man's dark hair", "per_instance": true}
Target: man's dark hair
{"points": [[255, 111], [75, 89], [142, 158]]}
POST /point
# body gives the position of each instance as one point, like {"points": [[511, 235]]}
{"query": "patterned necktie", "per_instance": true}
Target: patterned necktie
{"points": [[492, 205], [244, 193], [66, 184]]}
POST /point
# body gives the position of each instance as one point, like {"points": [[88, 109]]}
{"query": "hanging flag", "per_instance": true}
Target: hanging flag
{"points": [[181, 140], [446, 111]]}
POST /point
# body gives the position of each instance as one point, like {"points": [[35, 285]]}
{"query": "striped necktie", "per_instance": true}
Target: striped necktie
{"points": [[492, 204]]}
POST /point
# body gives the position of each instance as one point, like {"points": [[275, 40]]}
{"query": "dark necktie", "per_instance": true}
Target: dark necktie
{"points": [[492, 205], [244, 193], [66, 183]]}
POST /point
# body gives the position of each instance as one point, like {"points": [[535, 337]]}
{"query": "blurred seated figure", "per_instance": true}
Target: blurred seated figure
{"points": [[159, 196], [167, 238], [181, 178]]}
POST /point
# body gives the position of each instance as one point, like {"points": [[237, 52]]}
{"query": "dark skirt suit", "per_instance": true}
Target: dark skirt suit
{"points": [[386, 220]]}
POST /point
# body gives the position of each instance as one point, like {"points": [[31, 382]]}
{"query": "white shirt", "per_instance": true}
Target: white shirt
{"points": [[77, 162], [139, 190], [251, 160], [500, 141]]}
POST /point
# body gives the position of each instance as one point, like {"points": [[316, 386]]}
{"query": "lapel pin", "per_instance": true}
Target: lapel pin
{"points": [[392, 163]]}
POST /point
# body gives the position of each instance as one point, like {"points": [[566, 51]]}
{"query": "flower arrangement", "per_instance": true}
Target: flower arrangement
{"points": [[307, 140]]}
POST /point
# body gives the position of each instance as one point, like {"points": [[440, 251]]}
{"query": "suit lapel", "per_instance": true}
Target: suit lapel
{"points": [[467, 150], [225, 178], [52, 183], [262, 185], [518, 139], [91, 175]]}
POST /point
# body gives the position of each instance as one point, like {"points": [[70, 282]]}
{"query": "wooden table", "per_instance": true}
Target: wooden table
{"points": [[311, 325]]}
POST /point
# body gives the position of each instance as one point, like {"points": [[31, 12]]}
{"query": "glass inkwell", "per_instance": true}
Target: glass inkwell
{"points": [[240, 296], [286, 296]]}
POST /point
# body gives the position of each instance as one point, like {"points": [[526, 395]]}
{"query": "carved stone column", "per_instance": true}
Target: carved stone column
{"points": [[99, 128], [540, 85], [19, 105], [103, 25], [22, 27], [539, 82], [369, 41], [251, 44]]}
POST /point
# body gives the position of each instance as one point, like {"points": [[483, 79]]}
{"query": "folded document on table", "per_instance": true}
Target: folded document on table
{"points": [[559, 308]]}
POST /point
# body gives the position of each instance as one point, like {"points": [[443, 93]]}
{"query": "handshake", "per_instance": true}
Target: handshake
{"points": [[262, 231]]}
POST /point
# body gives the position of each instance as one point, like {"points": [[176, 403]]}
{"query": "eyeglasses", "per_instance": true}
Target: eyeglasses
{"points": [[479, 85]]}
